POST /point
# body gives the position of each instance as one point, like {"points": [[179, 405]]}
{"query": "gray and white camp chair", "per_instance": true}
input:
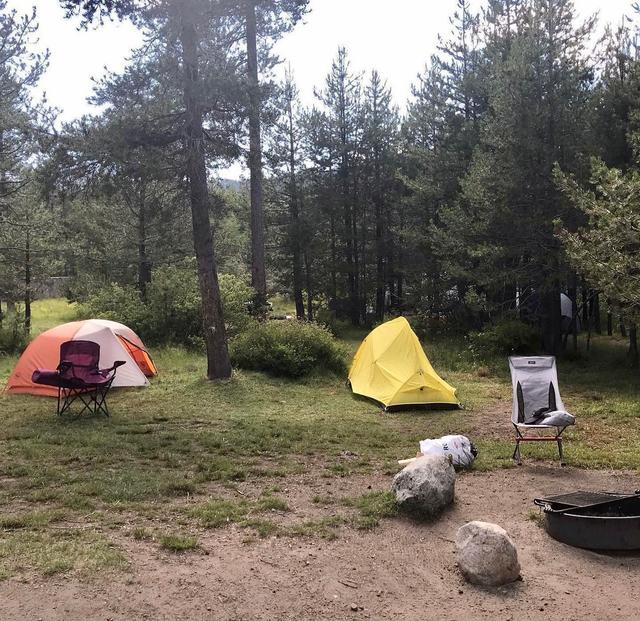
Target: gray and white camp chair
{"points": [[537, 405]]}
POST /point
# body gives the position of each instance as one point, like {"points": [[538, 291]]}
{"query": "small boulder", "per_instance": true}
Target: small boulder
{"points": [[426, 486], [486, 554]]}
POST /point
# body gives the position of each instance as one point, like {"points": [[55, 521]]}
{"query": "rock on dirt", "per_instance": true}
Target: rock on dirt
{"points": [[486, 554], [426, 486]]}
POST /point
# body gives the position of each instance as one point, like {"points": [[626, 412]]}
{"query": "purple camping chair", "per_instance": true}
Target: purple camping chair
{"points": [[78, 377]]}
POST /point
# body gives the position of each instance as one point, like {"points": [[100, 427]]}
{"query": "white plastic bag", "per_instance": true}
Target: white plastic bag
{"points": [[460, 449]]}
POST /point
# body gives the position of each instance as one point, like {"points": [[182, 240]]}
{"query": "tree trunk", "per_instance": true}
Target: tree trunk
{"points": [[309, 286], [334, 259], [597, 319], [379, 241], [258, 271], [573, 294], [355, 297], [218, 364], [623, 329], [633, 346], [27, 282], [609, 319], [551, 329], [294, 212], [144, 266]]}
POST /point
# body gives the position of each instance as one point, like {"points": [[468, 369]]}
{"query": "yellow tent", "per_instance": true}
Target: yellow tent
{"points": [[391, 367]]}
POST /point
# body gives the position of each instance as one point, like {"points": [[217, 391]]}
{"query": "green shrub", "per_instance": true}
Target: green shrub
{"points": [[507, 337], [288, 349], [327, 318], [171, 312], [13, 338], [115, 302]]}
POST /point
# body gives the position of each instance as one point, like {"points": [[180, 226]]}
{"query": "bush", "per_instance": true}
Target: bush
{"points": [[171, 312], [115, 302], [13, 338], [507, 337], [288, 349], [327, 318]]}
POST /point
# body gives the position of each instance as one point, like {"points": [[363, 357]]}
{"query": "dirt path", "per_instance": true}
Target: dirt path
{"points": [[400, 571]]}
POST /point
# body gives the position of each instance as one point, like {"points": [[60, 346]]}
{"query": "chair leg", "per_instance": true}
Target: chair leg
{"points": [[516, 453], [562, 462]]}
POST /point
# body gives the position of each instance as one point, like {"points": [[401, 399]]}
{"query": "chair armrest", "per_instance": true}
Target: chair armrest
{"points": [[64, 365], [112, 369]]}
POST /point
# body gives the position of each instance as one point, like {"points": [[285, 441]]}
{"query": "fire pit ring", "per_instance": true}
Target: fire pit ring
{"points": [[594, 520]]}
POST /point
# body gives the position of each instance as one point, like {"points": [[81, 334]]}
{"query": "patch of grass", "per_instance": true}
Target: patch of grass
{"points": [[264, 528], [49, 313], [178, 543], [271, 503], [60, 551], [30, 519], [142, 534], [324, 500], [218, 512], [178, 487], [372, 508], [537, 517], [325, 528]]}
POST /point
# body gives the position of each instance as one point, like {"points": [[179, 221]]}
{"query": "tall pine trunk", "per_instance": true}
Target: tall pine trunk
{"points": [[573, 295], [379, 239], [309, 286], [552, 319], [144, 266], [633, 346], [27, 282], [294, 212], [218, 363], [258, 270]]}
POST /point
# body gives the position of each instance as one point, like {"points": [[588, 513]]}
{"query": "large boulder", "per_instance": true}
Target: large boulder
{"points": [[486, 554], [426, 486]]}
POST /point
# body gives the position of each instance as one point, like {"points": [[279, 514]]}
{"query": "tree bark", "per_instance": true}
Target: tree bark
{"points": [[27, 282], [144, 266], [378, 203], [258, 271], [218, 363], [309, 286], [597, 320], [573, 294], [334, 258], [294, 212], [633, 346], [551, 329]]}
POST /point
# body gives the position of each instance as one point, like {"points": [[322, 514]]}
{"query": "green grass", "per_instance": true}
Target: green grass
{"points": [[58, 551], [178, 543], [49, 313], [372, 508], [175, 452]]}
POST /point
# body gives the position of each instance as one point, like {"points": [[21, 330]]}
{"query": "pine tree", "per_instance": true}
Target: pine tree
{"points": [[341, 98], [380, 144]]}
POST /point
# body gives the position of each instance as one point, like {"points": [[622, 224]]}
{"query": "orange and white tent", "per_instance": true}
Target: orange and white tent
{"points": [[117, 342]]}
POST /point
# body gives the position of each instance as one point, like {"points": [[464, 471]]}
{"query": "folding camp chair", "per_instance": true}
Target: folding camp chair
{"points": [[537, 406], [78, 377]]}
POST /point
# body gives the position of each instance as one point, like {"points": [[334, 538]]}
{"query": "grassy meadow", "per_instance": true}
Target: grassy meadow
{"points": [[167, 465]]}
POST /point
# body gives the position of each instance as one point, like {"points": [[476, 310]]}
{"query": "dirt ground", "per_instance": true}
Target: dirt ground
{"points": [[401, 570]]}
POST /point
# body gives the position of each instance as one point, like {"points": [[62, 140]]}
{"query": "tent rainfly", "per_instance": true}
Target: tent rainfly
{"points": [[391, 367], [117, 342]]}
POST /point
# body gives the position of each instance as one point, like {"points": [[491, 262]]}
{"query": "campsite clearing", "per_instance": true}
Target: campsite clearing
{"points": [[263, 471]]}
